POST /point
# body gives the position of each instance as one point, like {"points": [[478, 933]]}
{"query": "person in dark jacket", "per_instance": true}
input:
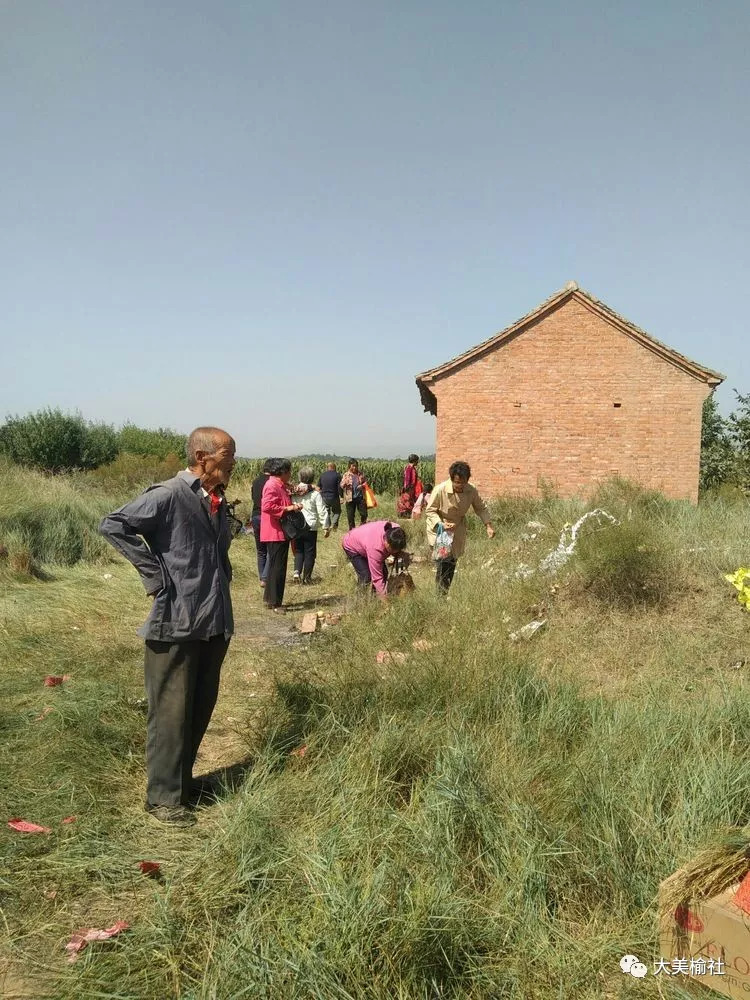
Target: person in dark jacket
{"points": [[177, 536], [330, 490], [256, 491]]}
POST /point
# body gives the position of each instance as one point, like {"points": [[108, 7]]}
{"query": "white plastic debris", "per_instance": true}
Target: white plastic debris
{"points": [[528, 630], [558, 557], [568, 538], [536, 528]]}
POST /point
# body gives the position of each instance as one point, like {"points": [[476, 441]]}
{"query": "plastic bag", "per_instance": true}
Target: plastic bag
{"points": [[293, 524], [443, 547], [370, 500]]}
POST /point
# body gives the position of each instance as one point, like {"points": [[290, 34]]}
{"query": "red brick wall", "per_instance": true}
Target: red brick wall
{"points": [[541, 407]]}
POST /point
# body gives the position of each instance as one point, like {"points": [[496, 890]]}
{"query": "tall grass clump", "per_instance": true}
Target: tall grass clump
{"points": [[129, 474], [626, 564], [636, 561], [47, 521]]}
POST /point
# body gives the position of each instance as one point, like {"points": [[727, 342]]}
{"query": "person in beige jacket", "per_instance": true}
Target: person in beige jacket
{"points": [[449, 505]]}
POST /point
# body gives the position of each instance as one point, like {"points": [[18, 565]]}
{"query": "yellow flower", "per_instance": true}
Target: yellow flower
{"points": [[741, 581]]}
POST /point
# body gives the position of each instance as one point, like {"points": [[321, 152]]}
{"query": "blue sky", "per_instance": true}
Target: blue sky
{"points": [[272, 216]]}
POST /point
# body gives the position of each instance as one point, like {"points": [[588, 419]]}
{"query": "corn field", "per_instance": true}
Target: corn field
{"points": [[385, 475]]}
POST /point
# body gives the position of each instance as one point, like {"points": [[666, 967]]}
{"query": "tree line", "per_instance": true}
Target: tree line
{"points": [[57, 442]]}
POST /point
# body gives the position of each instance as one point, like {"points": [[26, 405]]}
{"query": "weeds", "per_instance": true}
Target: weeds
{"points": [[628, 564], [488, 818]]}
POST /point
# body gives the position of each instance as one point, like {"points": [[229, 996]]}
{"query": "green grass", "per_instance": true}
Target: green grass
{"points": [[490, 819]]}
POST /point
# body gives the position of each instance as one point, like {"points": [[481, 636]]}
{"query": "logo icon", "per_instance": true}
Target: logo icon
{"points": [[633, 966]]}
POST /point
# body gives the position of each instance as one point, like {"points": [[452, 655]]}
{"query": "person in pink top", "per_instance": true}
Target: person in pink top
{"points": [[275, 501], [367, 548]]}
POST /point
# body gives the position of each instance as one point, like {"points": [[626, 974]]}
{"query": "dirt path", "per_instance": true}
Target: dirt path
{"points": [[224, 747]]}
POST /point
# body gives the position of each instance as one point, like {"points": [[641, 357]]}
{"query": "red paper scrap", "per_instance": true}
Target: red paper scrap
{"points": [[150, 867], [70, 819], [688, 920], [53, 680], [299, 752], [23, 826], [80, 939], [742, 896]]}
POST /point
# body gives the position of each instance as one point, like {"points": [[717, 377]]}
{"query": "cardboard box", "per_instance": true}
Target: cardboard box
{"points": [[715, 931]]}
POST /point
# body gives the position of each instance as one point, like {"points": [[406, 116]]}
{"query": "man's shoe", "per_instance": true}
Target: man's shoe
{"points": [[177, 816]]}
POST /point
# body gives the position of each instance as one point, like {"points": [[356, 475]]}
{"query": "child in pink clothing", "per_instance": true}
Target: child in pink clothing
{"points": [[422, 500]]}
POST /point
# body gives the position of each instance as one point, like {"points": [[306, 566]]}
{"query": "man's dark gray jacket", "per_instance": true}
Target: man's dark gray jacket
{"points": [[184, 560]]}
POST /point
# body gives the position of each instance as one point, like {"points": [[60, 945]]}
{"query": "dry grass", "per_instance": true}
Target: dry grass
{"points": [[711, 871]]}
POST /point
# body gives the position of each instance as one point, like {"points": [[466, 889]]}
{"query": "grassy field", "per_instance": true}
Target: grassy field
{"points": [[490, 818]]}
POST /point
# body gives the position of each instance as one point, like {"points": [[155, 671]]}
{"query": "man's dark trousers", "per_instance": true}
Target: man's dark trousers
{"points": [[261, 549], [182, 684]]}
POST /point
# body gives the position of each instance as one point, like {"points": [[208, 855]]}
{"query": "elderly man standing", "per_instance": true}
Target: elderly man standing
{"points": [[177, 536]]}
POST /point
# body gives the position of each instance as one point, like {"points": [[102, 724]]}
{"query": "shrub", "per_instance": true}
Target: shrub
{"points": [[99, 446], [54, 441]]}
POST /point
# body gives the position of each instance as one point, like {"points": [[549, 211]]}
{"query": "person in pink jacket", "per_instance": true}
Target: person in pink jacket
{"points": [[275, 501], [367, 548]]}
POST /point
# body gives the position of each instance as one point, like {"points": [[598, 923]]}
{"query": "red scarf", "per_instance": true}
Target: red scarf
{"points": [[215, 498]]}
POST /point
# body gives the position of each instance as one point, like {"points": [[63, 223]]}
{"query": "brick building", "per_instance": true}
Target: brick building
{"points": [[571, 394]]}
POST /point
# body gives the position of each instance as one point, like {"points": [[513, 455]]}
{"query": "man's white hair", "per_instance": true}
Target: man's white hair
{"points": [[203, 439]]}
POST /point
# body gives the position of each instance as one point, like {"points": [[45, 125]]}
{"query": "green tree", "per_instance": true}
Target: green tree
{"points": [[739, 425], [718, 457]]}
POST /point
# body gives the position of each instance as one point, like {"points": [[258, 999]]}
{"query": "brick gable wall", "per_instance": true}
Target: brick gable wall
{"points": [[540, 407]]}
